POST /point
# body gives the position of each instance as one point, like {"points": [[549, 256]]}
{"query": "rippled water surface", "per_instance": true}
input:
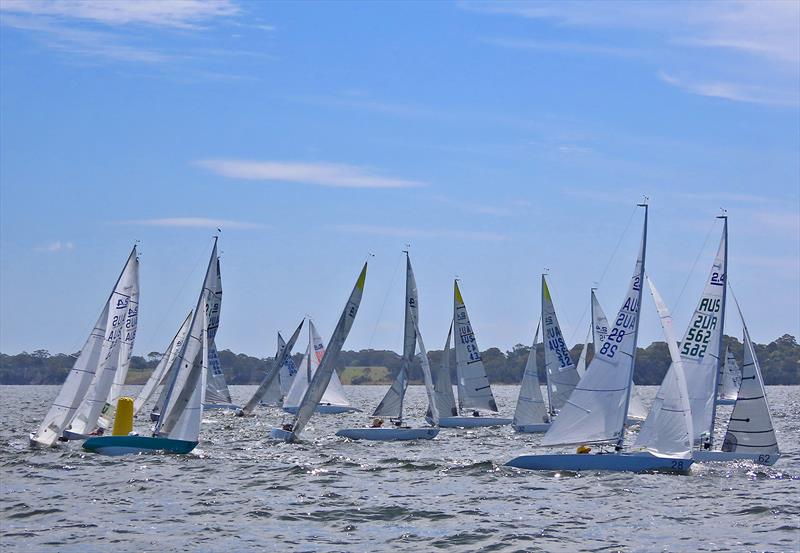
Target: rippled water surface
{"points": [[241, 491]]}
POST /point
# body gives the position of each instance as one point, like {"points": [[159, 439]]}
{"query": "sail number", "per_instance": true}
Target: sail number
{"points": [[626, 320], [555, 343], [697, 338]]}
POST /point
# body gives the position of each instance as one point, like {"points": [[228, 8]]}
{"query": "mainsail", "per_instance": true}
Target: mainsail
{"points": [[94, 353], [322, 376], [730, 378], [596, 410], [443, 399], [158, 377], [561, 374], [530, 404], [667, 431], [474, 390], [392, 403], [183, 410], [120, 333], [750, 429]]}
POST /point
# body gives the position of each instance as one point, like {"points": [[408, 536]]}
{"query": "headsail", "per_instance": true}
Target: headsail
{"points": [[667, 431], [730, 378], [281, 356], [530, 404], [392, 403], [596, 410], [474, 391], [79, 378], [561, 374], [183, 411], [444, 400], [422, 357], [216, 387], [114, 356], [158, 377], [328, 364], [750, 429], [581, 366]]}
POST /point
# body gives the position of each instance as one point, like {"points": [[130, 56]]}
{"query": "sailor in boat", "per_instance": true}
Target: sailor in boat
{"points": [[288, 427], [475, 413], [377, 423]]}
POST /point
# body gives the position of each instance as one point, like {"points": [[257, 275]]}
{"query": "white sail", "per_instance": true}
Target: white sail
{"points": [[287, 373], [701, 346], [667, 431], [158, 377], [636, 410], [216, 388], [82, 373], [730, 378], [750, 429], [266, 386], [474, 390], [561, 374], [327, 367], [392, 403], [422, 357], [300, 383], [530, 404], [114, 356], [183, 411], [444, 400], [581, 366], [274, 394], [596, 410]]}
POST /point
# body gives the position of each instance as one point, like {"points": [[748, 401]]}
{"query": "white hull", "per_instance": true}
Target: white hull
{"points": [[70, 436], [388, 434], [702, 456], [618, 462], [221, 406], [532, 428], [327, 409], [471, 422]]}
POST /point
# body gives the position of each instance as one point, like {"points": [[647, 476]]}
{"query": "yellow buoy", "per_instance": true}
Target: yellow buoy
{"points": [[582, 449], [123, 420]]}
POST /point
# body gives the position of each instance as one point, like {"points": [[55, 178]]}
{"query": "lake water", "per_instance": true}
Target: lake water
{"points": [[241, 491]]}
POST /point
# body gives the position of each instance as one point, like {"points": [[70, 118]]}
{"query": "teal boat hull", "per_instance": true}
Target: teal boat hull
{"points": [[126, 445], [616, 462]]}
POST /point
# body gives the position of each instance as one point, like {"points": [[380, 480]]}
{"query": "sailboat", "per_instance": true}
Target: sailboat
{"points": [[729, 380], [160, 375], [474, 390], [596, 410], [636, 410], [333, 400], [178, 427], [327, 366], [391, 405], [267, 390], [100, 354], [217, 395], [531, 414]]}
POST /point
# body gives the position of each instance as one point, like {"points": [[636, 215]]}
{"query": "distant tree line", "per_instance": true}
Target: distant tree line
{"points": [[779, 360]]}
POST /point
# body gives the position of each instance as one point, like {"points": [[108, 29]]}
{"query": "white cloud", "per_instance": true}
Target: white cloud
{"points": [[181, 14], [323, 174], [731, 91], [401, 232], [195, 222], [55, 247]]}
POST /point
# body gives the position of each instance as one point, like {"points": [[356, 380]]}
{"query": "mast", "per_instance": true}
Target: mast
{"points": [[636, 332], [591, 316], [720, 358]]}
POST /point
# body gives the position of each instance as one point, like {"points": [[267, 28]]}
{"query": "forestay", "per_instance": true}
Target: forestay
{"points": [[160, 373], [79, 378], [750, 429], [183, 411], [562, 377], [730, 378], [115, 357], [596, 410], [701, 346], [444, 400], [667, 431], [474, 391], [322, 376], [530, 404], [392, 403]]}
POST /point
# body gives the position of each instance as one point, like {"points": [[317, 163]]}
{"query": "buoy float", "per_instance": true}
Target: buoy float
{"points": [[123, 420]]}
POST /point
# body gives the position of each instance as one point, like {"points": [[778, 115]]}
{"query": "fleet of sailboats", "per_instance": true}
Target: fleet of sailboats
{"points": [[589, 403]]}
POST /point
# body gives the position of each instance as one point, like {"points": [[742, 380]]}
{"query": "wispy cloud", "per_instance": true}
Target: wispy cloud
{"points": [[402, 232], [55, 247], [195, 222], [731, 91], [324, 174]]}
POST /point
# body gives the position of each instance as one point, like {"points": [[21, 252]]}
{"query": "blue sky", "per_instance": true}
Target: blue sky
{"points": [[498, 139]]}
